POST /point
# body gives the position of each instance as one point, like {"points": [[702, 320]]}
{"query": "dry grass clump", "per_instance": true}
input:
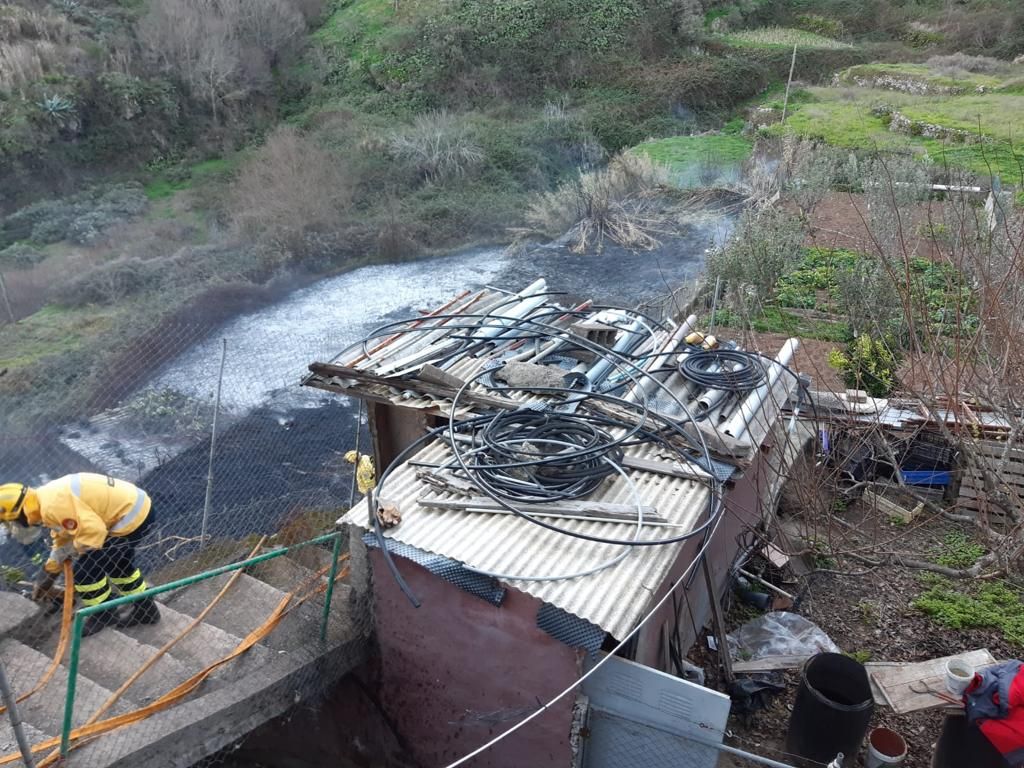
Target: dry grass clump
{"points": [[622, 202], [957, 64], [31, 45], [438, 146]]}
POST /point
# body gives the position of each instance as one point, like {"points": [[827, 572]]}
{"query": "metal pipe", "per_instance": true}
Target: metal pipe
{"points": [[764, 583], [69, 699], [335, 554], [739, 422], [17, 725], [213, 444]]}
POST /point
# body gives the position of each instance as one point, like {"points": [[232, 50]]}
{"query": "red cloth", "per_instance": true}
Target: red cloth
{"points": [[1007, 733]]}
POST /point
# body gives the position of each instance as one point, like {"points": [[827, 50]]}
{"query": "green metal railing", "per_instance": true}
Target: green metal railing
{"points": [[82, 613]]}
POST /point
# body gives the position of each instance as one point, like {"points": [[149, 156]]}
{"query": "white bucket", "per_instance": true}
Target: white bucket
{"points": [[885, 747]]}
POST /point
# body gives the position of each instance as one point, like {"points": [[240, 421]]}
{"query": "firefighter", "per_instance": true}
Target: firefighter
{"points": [[97, 520]]}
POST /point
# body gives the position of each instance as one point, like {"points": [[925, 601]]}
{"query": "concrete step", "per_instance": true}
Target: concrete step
{"points": [[314, 557], [201, 647], [110, 657], [16, 613], [45, 709], [285, 574], [248, 605], [9, 744]]}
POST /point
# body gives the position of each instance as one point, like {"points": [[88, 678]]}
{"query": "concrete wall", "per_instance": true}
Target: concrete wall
{"points": [[457, 671]]}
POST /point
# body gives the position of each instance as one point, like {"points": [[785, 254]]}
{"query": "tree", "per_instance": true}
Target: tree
{"points": [[288, 187]]}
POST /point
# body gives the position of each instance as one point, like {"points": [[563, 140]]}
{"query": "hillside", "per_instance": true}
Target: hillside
{"points": [[186, 158]]}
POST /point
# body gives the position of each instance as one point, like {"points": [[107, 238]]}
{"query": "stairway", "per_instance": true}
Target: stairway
{"points": [[287, 666]]}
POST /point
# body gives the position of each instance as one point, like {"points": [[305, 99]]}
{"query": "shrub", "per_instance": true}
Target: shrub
{"points": [[618, 202], [81, 218], [955, 64], [20, 256], [438, 146], [168, 411], [868, 363], [288, 186], [109, 283], [820, 25]]}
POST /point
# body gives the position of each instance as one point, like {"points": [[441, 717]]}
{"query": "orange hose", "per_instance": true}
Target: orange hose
{"points": [[65, 635], [92, 730]]}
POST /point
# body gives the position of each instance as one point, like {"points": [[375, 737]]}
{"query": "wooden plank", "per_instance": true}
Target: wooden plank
{"points": [[894, 679], [434, 375], [671, 468], [893, 510], [625, 512]]}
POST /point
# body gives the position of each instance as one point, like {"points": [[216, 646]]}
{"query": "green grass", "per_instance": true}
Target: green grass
{"points": [[781, 37], [921, 73], [842, 117], [169, 183], [354, 30], [49, 332], [778, 320], [679, 152], [971, 605], [958, 551]]}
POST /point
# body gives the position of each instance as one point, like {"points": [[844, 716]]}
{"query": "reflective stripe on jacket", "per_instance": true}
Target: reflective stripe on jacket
{"points": [[85, 508]]}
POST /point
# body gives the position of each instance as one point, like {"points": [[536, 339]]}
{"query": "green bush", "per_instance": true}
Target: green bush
{"points": [[820, 25], [868, 363], [20, 256]]}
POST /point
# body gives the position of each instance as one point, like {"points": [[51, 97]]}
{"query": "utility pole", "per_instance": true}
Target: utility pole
{"points": [[789, 82]]}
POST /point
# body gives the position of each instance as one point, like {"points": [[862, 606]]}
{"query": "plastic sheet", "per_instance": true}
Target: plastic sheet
{"points": [[779, 633]]}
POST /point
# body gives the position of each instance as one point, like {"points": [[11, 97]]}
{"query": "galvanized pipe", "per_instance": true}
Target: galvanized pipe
{"points": [[17, 725]]}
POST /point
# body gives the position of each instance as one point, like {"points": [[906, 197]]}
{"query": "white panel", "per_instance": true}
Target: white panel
{"points": [[647, 696]]}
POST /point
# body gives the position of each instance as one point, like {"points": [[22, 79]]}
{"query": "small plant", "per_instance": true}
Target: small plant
{"points": [[168, 411], [861, 657], [867, 363], [958, 551], [59, 110], [980, 604], [11, 575], [868, 612]]}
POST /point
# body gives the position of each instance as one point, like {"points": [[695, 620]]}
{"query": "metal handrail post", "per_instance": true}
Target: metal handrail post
{"points": [[82, 613], [335, 554], [69, 702], [17, 725]]}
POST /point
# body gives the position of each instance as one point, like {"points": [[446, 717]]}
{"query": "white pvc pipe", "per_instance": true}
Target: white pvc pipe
{"points": [[740, 421]]}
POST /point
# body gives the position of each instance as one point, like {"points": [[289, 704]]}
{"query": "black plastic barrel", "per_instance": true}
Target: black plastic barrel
{"points": [[832, 709]]}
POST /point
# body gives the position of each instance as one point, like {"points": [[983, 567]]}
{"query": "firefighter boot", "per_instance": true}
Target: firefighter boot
{"points": [[100, 620], [145, 611]]}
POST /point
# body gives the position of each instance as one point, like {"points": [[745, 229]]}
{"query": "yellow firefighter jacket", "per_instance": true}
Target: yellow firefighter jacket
{"points": [[84, 508]]}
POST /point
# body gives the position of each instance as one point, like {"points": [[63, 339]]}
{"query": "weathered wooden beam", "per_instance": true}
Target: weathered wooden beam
{"points": [[603, 509]]}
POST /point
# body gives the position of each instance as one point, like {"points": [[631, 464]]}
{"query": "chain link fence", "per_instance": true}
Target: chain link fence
{"points": [[240, 462]]}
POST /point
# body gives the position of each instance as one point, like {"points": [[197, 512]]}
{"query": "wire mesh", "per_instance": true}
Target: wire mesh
{"points": [[277, 478]]}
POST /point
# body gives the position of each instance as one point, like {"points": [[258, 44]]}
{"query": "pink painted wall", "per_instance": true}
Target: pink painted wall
{"points": [[457, 671], [742, 510]]}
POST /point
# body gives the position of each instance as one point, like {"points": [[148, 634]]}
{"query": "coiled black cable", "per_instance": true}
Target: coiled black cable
{"points": [[730, 370], [532, 456]]}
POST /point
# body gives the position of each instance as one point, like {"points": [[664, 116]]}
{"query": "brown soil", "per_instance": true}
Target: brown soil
{"points": [[865, 611], [811, 357], [840, 221]]}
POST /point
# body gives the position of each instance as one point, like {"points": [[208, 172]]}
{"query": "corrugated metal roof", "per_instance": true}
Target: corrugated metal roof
{"points": [[614, 599]]}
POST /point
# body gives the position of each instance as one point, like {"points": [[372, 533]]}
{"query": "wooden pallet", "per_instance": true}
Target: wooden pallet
{"points": [[973, 496]]}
